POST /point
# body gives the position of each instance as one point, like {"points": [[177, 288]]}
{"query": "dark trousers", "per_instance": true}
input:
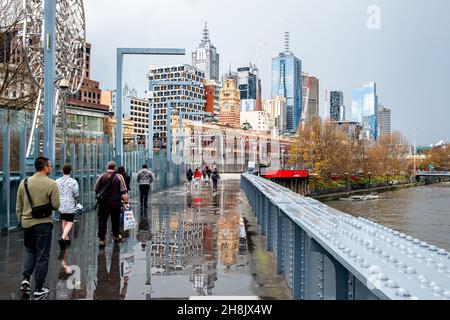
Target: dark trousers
{"points": [[103, 215], [37, 241], [144, 189], [215, 184]]}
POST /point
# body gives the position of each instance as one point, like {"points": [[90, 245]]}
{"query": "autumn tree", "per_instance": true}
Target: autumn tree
{"points": [[439, 157], [389, 154], [323, 148]]}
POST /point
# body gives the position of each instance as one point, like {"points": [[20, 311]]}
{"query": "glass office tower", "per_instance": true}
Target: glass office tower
{"points": [[286, 82], [365, 109]]}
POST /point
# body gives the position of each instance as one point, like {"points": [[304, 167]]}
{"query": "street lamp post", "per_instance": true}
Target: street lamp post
{"points": [[346, 180], [370, 174], [282, 158]]}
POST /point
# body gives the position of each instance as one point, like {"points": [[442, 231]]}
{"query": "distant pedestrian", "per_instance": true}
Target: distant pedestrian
{"points": [[69, 193], [208, 172], [197, 177], [126, 177], [37, 197], [110, 189], [215, 178], [189, 175], [145, 179]]}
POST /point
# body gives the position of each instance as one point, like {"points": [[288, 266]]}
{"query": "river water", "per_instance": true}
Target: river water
{"points": [[422, 212]]}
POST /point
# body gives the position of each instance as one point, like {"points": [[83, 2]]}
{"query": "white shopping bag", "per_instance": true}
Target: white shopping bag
{"points": [[128, 220]]}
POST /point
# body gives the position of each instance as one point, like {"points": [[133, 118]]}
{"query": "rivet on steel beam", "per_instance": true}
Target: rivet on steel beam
{"points": [[391, 284], [401, 292], [382, 277], [410, 270], [433, 248], [442, 252]]}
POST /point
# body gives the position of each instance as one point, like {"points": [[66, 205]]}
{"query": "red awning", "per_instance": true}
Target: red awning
{"points": [[286, 174]]}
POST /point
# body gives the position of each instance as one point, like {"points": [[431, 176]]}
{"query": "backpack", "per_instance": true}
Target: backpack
{"points": [[103, 193]]}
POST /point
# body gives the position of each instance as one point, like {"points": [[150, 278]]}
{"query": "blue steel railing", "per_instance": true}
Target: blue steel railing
{"points": [[88, 163], [433, 173], [326, 254]]}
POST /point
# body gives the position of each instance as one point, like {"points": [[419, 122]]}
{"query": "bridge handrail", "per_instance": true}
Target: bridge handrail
{"points": [[392, 264]]}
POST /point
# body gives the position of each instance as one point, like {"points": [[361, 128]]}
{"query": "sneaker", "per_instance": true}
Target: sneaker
{"points": [[62, 244], [117, 239], [102, 243], [40, 293], [25, 285]]}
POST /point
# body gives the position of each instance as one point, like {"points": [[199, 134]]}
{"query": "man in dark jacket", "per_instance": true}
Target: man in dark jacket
{"points": [[215, 178], [111, 189]]}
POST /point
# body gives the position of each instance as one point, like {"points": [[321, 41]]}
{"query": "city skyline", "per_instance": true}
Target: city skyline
{"points": [[388, 56]]}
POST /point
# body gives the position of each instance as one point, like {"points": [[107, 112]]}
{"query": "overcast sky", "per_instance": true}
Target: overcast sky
{"points": [[409, 57]]}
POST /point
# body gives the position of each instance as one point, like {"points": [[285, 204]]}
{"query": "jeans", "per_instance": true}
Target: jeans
{"points": [[37, 241], [144, 190], [103, 215]]}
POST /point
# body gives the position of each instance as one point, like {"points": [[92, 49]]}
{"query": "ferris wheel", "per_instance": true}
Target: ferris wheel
{"points": [[70, 59]]}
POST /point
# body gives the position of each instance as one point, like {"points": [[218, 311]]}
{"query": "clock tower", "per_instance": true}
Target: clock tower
{"points": [[230, 104]]}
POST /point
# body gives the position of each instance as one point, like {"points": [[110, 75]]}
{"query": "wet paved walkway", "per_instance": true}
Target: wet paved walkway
{"points": [[189, 242]]}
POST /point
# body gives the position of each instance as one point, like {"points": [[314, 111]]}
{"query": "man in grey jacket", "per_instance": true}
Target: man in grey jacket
{"points": [[145, 178]]}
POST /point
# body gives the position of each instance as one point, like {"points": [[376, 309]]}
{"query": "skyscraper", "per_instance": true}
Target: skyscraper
{"points": [[365, 109], [247, 84], [286, 82], [337, 109], [310, 96], [205, 57], [384, 121]]}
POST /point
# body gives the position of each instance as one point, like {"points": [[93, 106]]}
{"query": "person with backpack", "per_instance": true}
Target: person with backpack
{"points": [[215, 178], [145, 179], [37, 197], [110, 189]]}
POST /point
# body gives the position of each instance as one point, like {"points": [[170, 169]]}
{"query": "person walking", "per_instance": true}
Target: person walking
{"points": [[145, 179], [69, 192], [127, 178], [208, 173], [197, 177], [215, 178], [110, 189], [37, 197], [189, 176]]}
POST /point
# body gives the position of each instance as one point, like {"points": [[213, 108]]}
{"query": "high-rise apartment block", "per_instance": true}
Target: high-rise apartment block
{"points": [[384, 121], [276, 110], [161, 94], [337, 108]]}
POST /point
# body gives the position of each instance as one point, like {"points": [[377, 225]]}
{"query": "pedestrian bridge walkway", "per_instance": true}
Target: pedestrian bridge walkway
{"points": [[190, 242]]}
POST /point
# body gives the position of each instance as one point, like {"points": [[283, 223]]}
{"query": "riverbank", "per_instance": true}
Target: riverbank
{"points": [[338, 195]]}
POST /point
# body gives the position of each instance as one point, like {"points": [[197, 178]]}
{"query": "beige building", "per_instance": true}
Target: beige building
{"points": [[258, 120], [230, 104], [276, 111], [128, 129]]}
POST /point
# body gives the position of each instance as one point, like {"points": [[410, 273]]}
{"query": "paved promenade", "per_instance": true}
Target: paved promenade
{"points": [[189, 242]]}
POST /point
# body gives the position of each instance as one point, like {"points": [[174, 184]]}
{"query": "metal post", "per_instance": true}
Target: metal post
{"points": [[119, 112], [72, 159], [36, 143], [49, 75], [23, 153], [6, 189], [63, 156], [168, 131], [150, 129]]}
